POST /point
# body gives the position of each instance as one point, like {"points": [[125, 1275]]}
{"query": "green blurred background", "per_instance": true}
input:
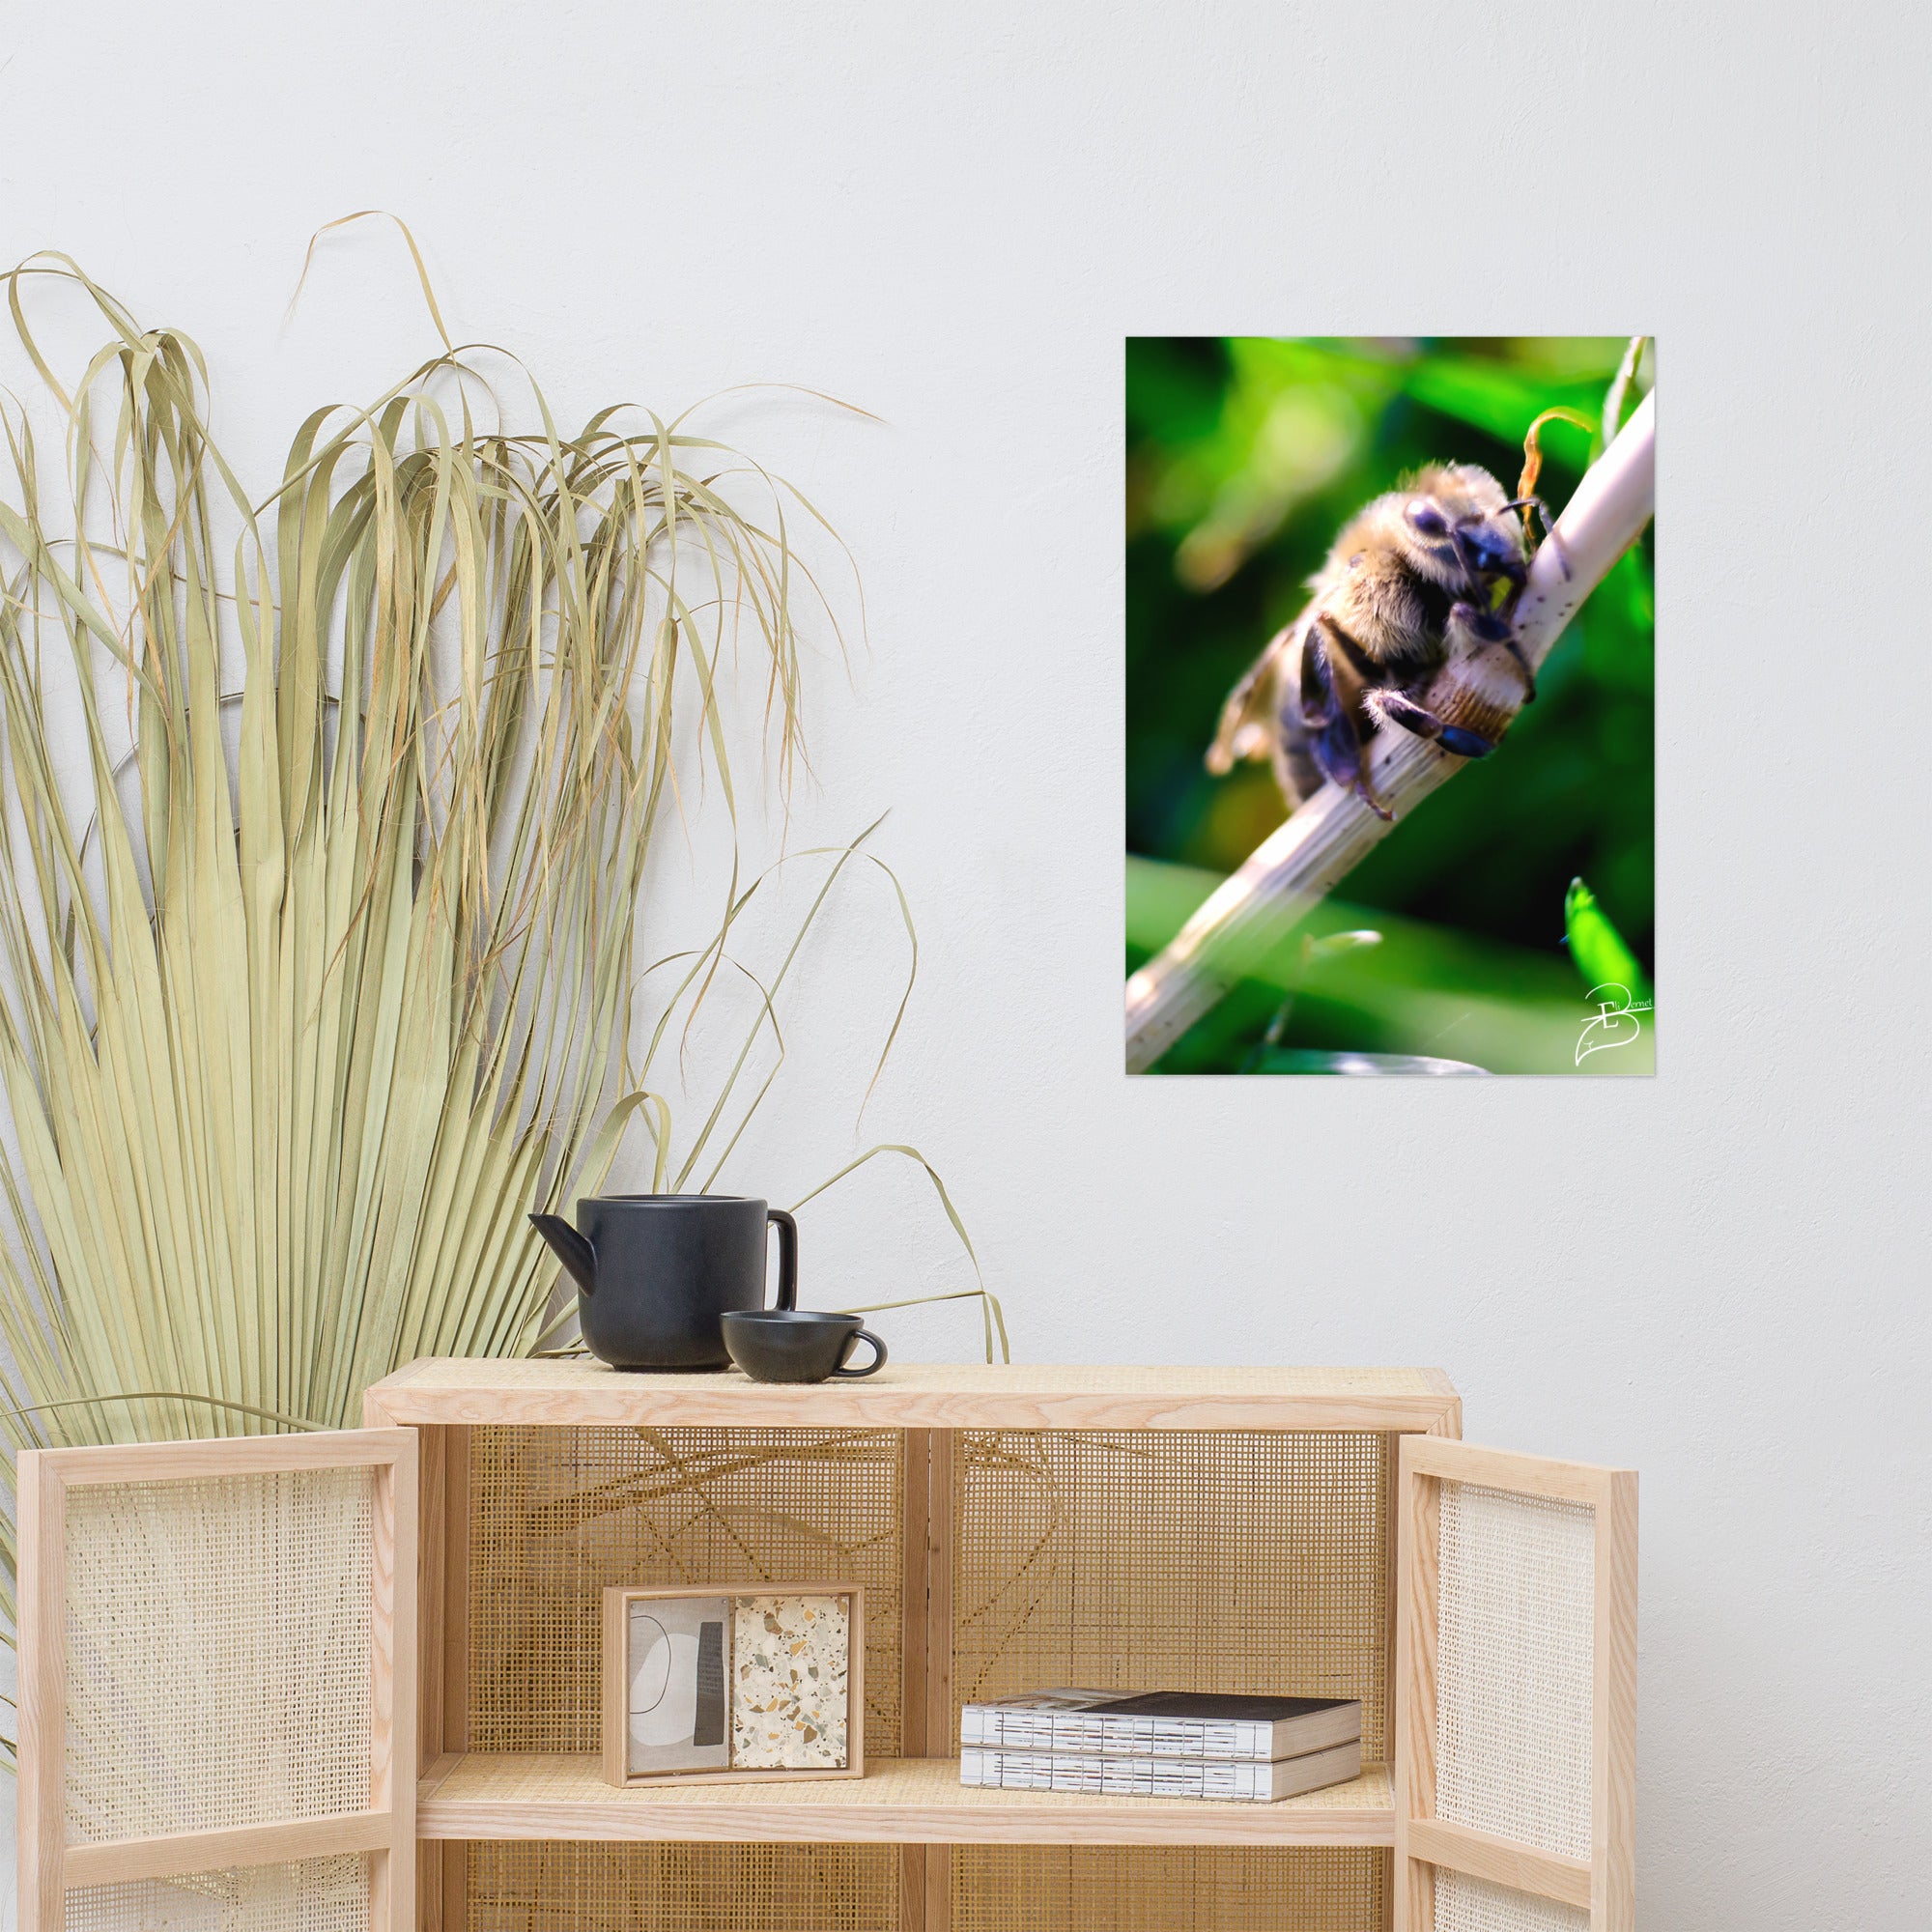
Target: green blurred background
{"points": [[1244, 458]]}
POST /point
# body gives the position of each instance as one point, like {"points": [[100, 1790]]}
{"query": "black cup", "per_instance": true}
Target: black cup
{"points": [[788, 1345]]}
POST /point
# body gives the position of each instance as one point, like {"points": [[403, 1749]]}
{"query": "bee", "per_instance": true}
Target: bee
{"points": [[1412, 580]]}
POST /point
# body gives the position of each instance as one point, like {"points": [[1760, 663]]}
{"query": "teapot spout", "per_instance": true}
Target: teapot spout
{"points": [[570, 1248]]}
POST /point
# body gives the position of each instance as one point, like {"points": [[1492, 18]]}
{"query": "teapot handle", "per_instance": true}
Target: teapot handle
{"points": [[787, 1257]]}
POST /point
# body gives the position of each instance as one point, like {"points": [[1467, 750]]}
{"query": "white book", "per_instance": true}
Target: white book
{"points": [[1162, 1723], [1231, 1781]]}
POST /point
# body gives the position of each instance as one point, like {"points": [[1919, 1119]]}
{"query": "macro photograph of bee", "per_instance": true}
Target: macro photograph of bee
{"points": [[1346, 562]]}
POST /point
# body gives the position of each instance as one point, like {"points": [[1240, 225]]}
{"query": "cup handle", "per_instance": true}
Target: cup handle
{"points": [[787, 1257], [872, 1366]]}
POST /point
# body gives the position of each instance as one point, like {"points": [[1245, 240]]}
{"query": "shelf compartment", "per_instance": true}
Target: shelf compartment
{"points": [[899, 1801], [1203, 1560], [555, 1516]]}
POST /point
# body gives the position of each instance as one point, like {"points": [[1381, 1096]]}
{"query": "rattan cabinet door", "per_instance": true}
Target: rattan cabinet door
{"points": [[1516, 1692], [218, 1685]]}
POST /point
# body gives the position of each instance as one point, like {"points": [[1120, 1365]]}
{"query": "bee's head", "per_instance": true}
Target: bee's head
{"points": [[1455, 521]]}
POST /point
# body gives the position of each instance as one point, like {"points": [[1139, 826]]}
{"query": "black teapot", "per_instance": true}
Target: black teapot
{"points": [[656, 1272]]}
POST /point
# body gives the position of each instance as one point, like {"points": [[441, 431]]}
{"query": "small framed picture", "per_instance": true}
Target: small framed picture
{"points": [[747, 1684]]}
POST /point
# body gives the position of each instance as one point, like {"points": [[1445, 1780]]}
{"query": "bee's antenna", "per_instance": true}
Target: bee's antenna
{"points": [[1536, 503]]}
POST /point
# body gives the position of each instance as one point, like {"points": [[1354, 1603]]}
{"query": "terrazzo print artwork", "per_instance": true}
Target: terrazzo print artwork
{"points": [[790, 1657]]}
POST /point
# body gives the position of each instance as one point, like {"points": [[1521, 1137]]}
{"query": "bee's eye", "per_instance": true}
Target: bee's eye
{"points": [[1427, 520]]}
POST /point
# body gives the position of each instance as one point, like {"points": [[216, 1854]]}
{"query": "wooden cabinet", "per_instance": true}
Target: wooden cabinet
{"points": [[1319, 1531], [218, 1694]]}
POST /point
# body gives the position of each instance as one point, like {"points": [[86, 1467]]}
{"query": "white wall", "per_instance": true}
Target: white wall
{"points": [[1719, 1277]]}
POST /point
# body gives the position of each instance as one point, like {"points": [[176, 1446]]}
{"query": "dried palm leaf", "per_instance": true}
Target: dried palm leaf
{"points": [[320, 973]]}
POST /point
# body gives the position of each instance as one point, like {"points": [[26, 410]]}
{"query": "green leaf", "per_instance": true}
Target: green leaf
{"points": [[1492, 399], [1597, 948]]}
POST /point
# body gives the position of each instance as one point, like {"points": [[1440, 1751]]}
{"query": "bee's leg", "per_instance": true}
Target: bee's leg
{"points": [[1494, 627], [1333, 707], [1295, 770], [1522, 664], [1391, 707], [1340, 757], [1550, 535]]}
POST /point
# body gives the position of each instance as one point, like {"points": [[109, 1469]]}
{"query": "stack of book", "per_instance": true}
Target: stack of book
{"points": [[1164, 1744]]}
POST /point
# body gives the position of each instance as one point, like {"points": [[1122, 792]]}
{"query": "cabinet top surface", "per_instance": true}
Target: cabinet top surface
{"points": [[922, 1395]]}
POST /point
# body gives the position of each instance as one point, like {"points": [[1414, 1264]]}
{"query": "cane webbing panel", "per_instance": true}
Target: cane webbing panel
{"points": [[313, 1895], [558, 1514], [1240, 1561], [1139, 1888], [1464, 1904], [532, 1886], [1514, 1667], [218, 1654]]}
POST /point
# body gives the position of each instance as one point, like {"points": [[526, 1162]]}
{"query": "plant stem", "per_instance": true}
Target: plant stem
{"points": [[1299, 864]]}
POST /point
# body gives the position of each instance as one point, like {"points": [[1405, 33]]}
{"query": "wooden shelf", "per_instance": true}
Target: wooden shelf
{"points": [[899, 1801], [916, 1395]]}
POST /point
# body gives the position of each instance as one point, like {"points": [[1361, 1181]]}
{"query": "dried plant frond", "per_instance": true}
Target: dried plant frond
{"points": [[318, 975]]}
